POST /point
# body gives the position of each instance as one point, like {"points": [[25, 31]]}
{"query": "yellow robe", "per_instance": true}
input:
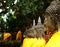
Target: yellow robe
{"points": [[19, 35], [33, 42], [6, 35], [54, 41]]}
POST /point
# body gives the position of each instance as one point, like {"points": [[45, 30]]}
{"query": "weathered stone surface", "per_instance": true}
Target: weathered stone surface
{"points": [[35, 30]]}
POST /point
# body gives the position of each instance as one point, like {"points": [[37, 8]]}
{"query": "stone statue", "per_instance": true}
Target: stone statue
{"points": [[52, 18], [54, 11], [35, 30]]}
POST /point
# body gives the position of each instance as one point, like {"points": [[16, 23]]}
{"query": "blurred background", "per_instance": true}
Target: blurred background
{"points": [[18, 15]]}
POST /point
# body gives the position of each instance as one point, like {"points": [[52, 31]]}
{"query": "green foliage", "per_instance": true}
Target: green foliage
{"points": [[21, 9], [29, 6]]}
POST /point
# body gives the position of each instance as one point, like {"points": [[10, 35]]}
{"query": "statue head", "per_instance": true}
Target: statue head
{"points": [[36, 31], [52, 17]]}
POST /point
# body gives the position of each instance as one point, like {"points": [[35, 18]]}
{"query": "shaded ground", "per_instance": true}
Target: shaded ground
{"points": [[15, 43]]}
